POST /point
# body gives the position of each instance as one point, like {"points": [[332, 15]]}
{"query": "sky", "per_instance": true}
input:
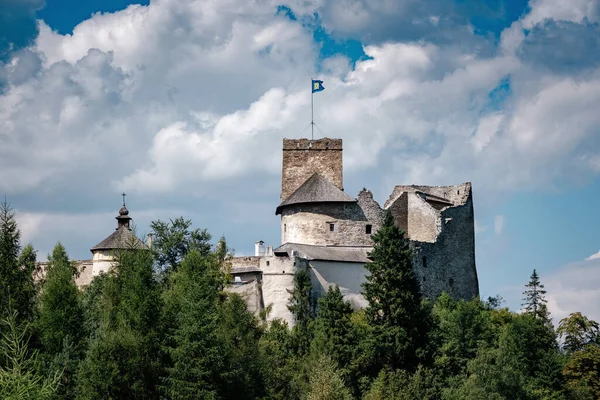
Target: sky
{"points": [[183, 105]]}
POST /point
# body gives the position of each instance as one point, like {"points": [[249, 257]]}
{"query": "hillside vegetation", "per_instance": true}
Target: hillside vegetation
{"points": [[161, 326]]}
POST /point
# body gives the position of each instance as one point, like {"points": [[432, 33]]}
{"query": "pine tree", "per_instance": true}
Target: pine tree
{"points": [[193, 342], [534, 300], [395, 303], [16, 280], [60, 322], [60, 313], [122, 360], [301, 307]]}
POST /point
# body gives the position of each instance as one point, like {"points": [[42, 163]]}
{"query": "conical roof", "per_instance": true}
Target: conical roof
{"points": [[122, 238], [316, 189]]}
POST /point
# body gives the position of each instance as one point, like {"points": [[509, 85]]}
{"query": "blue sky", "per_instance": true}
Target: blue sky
{"points": [[183, 105]]}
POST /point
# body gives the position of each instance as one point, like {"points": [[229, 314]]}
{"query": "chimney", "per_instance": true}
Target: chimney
{"points": [[259, 248], [269, 251], [149, 241]]}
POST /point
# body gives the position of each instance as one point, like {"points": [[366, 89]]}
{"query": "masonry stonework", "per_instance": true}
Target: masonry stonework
{"points": [[304, 157]]}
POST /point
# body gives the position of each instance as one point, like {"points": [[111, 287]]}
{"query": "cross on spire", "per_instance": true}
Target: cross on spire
{"points": [[123, 194]]}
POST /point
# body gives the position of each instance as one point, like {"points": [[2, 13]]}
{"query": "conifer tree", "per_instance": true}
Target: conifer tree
{"points": [[301, 307], [395, 303], [333, 327], [60, 313], [194, 344], [60, 322], [534, 300], [122, 361]]}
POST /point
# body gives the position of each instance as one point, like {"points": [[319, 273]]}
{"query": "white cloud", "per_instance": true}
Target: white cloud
{"points": [[498, 224], [573, 288], [595, 256], [180, 96]]}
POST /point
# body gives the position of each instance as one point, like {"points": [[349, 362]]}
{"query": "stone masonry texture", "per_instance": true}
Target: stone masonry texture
{"points": [[304, 157]]}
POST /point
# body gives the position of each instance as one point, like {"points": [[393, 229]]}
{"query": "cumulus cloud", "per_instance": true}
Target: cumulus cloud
{"points": [[181, 96], [575, 287]]}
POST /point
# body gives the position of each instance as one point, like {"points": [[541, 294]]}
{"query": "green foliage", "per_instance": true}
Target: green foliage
{"points": [[16, 281], [122, 360], [193, 341], [534, 300], [395, 309], [326, 383], [401, 385], [60, 313], [302, 308], [582, 372], [173, 240], [20, 378], [577, 331]]}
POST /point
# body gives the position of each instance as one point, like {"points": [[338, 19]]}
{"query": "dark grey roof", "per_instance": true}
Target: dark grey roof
{"points": [[122, 238], [325, 253], [316, 189], [244, 270]]}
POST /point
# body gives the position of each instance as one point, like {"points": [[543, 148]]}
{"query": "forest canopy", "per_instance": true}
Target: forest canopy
{"points": [[161, 325]]}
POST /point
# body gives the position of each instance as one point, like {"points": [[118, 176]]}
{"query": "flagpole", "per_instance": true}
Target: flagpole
{"points": [[312, 114]]}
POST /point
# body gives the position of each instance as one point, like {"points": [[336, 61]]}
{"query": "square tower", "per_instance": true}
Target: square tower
{"points": [[303, 157]]}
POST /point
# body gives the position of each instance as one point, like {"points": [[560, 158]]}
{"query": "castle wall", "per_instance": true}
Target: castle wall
{"points": [[311, 224], [251, 292], [102, 262], [277, 278], [303, 157], [348, 276], [424, 221], [448, 264]]}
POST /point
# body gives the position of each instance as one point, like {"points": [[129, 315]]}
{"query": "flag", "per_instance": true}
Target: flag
{"points": [[317, 86]]}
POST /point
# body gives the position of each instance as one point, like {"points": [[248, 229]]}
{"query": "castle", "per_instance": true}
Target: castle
{"points": [[328, 233]]}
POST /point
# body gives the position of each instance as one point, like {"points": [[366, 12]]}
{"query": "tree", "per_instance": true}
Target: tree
{"points": [[60, 322], [173, 240], [193, 342], [326, 382], [60, 313], [16, 280], [301, 307], [577, 331], [123, 359], [19, 378], [582, 371], [333, 333], [534, 300], [395, 302]]}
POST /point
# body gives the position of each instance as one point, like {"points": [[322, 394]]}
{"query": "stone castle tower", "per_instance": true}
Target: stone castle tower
{"points": [[328, 232]]}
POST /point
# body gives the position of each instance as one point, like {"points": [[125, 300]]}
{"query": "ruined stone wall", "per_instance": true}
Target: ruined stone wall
{"points": [[303, 157], [245, 261], [457, 194], [424, 221], [346, 275], [311, 224], [448, 264], [84, 271]]}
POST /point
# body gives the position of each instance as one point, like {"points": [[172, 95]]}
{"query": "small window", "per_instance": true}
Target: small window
{"points": [[331, 227], [451, 282], [268, 263], [368, 229], [284, 227], [424, 262]]}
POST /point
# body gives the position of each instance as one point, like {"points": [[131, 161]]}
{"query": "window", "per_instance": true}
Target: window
{"points": [[368, 229], [284, 227], [331, 227], [268, 263], [424, 262]]}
